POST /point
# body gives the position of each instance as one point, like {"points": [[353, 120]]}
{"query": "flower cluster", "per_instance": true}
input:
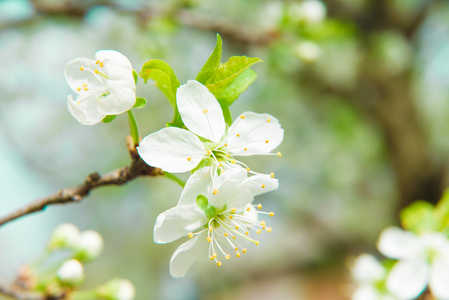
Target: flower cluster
{"points": [[420, 261], [216, 209]]}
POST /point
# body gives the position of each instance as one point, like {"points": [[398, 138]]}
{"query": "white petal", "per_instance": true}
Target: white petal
{"points": [[77, 78], [399, 244], [172, 149], [261, 183], [366, 292], [439, 279], [367, 269], [199, 183], [84, 109], [408, 279], [187, 254], [257, 133], [117, 102], [112, 57], [177, 222], [200, 111], [226, 184]]}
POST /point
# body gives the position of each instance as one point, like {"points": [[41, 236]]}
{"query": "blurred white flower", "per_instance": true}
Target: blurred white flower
{"points": [[177, 150], [217, 219], [117, 289], [90, 245], [423, 260], [307, 51], [65, 236], [370, 275], [71, 272], [105, 86], [308, 11]]}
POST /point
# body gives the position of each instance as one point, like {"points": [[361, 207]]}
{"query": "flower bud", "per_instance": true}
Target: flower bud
{"points": [[308, 12], [90, 245], [71, 272], [308, 52], [117, 289], [65, 236]]}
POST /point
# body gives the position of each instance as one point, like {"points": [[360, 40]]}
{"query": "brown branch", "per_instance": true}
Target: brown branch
{"points": [[16, 292], [75, 194]]}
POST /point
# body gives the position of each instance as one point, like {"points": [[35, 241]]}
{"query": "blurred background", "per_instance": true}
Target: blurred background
{"points": [[360, 87]]}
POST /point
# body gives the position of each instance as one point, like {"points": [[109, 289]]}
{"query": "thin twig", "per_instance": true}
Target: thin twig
{"points": [[15, 292]]}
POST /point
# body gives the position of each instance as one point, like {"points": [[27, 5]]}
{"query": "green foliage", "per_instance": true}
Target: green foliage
{"points": [[212, 64], [240, 84], [135, 76], [442, 212], [109, 119], [166, 81], [419, 217], [140, 102]]}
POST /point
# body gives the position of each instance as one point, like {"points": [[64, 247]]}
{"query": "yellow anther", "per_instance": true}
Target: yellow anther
{"points": [[248, 209], [242, 116], [272, 175], [262, 223], [101, 64], [228, 256], [259, 231], [219, 263], [236, 248], [209, 239], [214, 256], [230, 217], [97, 62], [220, 164], [85, 89], [237, 227], [269, 229], [237, 134], [78, 88], [225, 234], [233, 161], [268, 120], [279, 154], [190, 235], [237, 254], [96, 71], [209, 152], [228, 155], [215, 191], [257, 243], [244, 250], [84, 84], [259, 206], [248, 169], [246, 232], [225, 145], [211, 228], [263, 227], [82, 68], [266, 141], [204, 110], [234, 209], [233, 237], [271, 213], [246, 149], [189, 158], [263, 186]]}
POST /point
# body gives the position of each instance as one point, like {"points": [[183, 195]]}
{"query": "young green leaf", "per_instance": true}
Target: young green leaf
{"points": [[211, 66], [419, 217], [109, 119], [442, 211], [140, 102], [240, 84], [135, 76]]}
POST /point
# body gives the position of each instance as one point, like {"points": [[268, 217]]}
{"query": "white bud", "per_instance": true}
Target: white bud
{"points": [[90, 245], [65, 236], [71, 272], [309, 11], [308, 51], [117, 289]]}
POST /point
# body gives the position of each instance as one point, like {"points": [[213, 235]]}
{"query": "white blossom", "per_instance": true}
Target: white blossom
{"points": [[65, 236], [423, 260], [217, 217], [117, 289], [90, 245], [71, 272], [177, 150], [104, 86], [308, 11]]}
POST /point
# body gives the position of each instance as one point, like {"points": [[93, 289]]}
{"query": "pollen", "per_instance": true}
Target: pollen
{"points": [[228, 155], [233, 161], [248, 169], [233, 237], [259, 206], [225, 145], [272, 175], [78, 88], [96, 71], [230, 217], [279, 154], [246, 149], [271, 214], [266, 141], [209, 239], [97, 62], [248, 209], [257, 243], [242, 116], [101, 64], [234, 209], [225, 234], [237, 227], [84, 84], [85, 89], [228, 256], [268, 120], [205, 110], [238, 134], [220, 164], [82, 68], [259, 231], [246, 232], [237, 254], [263, 186], [215, 191], [244, 250], [269, 229], [209, 152], [189, 158], [236, 248], [190, 235], [219, 263], [214, 256]]}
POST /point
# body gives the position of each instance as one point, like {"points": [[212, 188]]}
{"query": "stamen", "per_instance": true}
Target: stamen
{"points": [[246, 232], [266, 141], [97, 62], [189, 158], [237, 254], [215, 191], [248, 169], [204, 110], [237, 227], [209, 239], [96, 71], [268, 120], [230, 217], [219, 263], [225, 145], [209, 152], [228, 256], [272, 175], [233, 161], [214, 256], [237, 134], [101, 64], [242, 116], [234, 209], [244, 250], [248, 209], [78, 88], [269, 229], [225, 234], [259, 206], [263, 186], [246, 149], [82, 68], [85, 89], [279, 154], [259, 231], [84, 84], [271, 213], [190, 234]]}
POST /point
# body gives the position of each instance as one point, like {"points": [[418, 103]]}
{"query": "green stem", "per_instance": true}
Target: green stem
{"points": [[40, 259], [175, 178], [84, 295], [133, 127]]}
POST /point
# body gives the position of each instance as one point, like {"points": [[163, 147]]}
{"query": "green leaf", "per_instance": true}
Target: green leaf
{"points": [[109, 119], [228, 72], [419, 217], [212, 64], [166, 81], [135, 76], [140, 102], [240, 84], [442, 211]]}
